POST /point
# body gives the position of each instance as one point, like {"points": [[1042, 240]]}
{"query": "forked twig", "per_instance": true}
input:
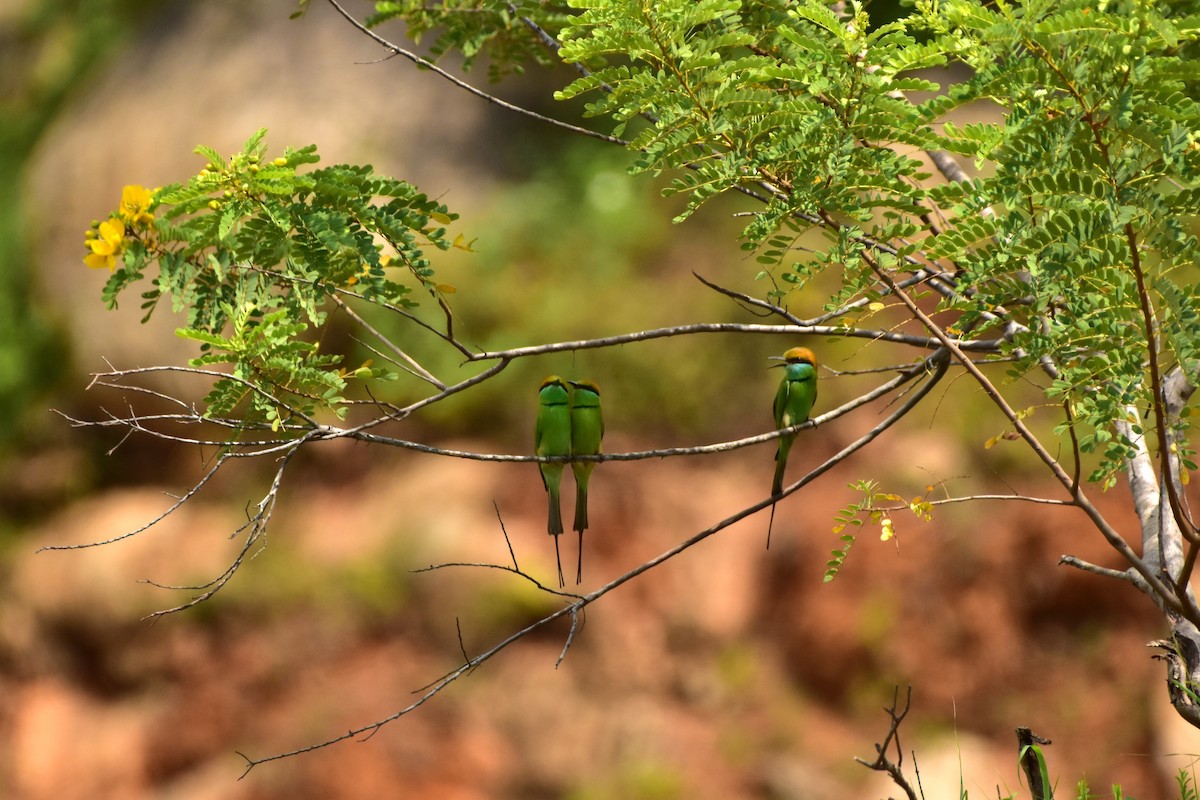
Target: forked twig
{"points": [[881, 762]]}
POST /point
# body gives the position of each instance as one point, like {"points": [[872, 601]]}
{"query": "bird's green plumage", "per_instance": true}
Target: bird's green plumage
{"points": [[587, 431], [552, 437], [793, 402]]}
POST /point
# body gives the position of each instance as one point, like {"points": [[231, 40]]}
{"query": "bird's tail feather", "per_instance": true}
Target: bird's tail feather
{"points": [[581, 517]]}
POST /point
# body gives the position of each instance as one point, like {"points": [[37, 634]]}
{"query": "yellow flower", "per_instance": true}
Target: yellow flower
{"points": [[106, 245], [135, 205]]}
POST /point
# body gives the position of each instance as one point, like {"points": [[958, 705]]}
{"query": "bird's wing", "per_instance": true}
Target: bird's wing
{"points": [[781, 401]]}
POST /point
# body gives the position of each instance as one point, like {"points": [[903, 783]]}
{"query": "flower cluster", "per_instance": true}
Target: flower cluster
{"points": [[106, 239]]}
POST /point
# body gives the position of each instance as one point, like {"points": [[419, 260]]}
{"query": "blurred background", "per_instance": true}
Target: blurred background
{"points": [[731, 671]]}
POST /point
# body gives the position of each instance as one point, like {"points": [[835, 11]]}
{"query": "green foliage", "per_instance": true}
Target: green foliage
{"points": [[1075, 245], [1186, 781], [871, 509], [737, 97], [495, 28], [1035, 751], [1088, 201], [1078, 233], [1098, 142], [255, 251], [855, 516]]}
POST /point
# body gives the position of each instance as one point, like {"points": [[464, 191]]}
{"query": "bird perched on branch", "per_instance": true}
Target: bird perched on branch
{"points": [[552, 437], [793, 401], [587, 429]]}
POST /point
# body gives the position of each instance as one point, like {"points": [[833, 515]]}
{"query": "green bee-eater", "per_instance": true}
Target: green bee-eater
{"points": [[793, 401], [587, 429], [552, 437]]}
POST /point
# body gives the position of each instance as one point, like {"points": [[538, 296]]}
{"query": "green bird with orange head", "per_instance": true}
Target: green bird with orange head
{"points": [[793, 402]]}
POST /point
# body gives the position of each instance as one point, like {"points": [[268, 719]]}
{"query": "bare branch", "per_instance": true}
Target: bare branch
{"points": [[512, 554], [1024, 498], [929, 343], [1079, 563], [912, 372], [429, 65], [882, 763], [173, 508], [855, 305], [946, 165], [361, 432], [501, 568], [415, 368], [257, 527], [936, 365]]}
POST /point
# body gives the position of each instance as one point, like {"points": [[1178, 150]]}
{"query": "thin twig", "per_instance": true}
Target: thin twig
{"points": [[1086, 566], [881, 762], [429, 65], [926, 342], [257, 525], [937, 366], [415, 368], [171, 510]]}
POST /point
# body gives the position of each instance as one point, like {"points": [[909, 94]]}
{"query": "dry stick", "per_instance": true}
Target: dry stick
{"points": [[1027, 740], [416, 368], [882, 763], [258, 527], [938, 361], [927, 342], [174, 507]]}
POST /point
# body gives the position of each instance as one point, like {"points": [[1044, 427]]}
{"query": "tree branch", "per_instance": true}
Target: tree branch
{"points": [[933, 368], [429, 65], [882, 763], [1080, 499]]}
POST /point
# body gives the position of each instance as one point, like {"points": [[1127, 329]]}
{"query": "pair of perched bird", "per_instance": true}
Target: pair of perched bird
{"points": [[569, 423]]}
